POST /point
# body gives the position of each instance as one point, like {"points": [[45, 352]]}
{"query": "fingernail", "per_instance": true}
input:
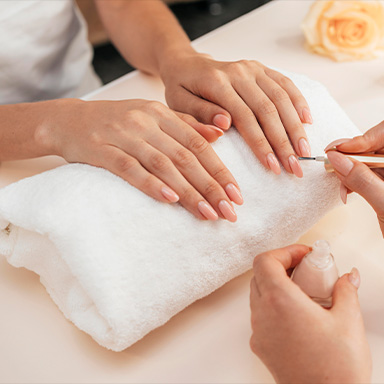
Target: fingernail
{"points": [[273, 164], [217, 131], [304, 147], [340, 163], [335, 144], [222, 121], [207, 211], [343, 193], [354, 277], [295, 166], [169, 194], [227, 211], [234, 194], [307, 116]]}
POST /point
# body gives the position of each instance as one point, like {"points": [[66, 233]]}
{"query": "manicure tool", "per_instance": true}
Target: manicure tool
{"points": [[372, 160]]}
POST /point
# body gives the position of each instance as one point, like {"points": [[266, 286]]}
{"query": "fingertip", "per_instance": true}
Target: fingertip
{"points": [[307, 117], [354, 277], [222, 121], [169, 194]]}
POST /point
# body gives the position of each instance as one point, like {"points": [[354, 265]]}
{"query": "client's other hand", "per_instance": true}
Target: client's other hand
{"points": [[298, 340]]}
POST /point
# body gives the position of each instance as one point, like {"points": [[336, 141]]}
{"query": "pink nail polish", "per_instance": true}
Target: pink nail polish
{"points": [[305, 150], [217, 131], [335, 144], [343, 193], [169, 194], [207, 211], [295, 166], [307, 116], [340, 163], [227, 211], [234, 194], [354, 277], [317, 273], [222, 121], [273, 163]]}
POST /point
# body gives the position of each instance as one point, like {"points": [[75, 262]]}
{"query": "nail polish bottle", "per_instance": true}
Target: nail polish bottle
{"points": [[317, 273]]}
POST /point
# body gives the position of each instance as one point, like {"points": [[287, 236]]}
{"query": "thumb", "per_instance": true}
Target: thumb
{"points": [[209, 132], [203, 110], [359, 178], [345, 299]]}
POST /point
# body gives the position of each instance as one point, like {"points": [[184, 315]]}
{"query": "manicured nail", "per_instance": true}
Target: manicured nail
{"points": [[207, 211], [273, 164], [354, 277], [341, 163], [234, 194], [295, 166], [304, 147], [216, 131], [227, 211], [222, 121], [343, 193], [307, 117], [335, 143], [169, 194]]}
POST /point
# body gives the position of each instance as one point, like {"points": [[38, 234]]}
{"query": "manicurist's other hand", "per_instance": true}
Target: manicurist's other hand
{"points": [[265, 106], [298, 340], [157, 151], [357, 177]]}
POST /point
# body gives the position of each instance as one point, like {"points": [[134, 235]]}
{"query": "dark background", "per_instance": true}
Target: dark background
{"points": [[197, 18]]}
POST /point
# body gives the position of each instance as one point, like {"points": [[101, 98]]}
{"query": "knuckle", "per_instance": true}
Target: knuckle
{"points": [[197, 144], [259, 141], [125, 165], [220, 173], [266, 107], [286, 82], [184, 158], [259, 260], [159, 162], [284, 143], [187, 195], [279, 95], [211, 188]]}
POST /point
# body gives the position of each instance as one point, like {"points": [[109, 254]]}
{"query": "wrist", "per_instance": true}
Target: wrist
{"points": [[56, 116]]}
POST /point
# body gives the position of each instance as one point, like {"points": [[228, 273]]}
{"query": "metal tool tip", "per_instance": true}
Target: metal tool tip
{"points": [[307, 158]]}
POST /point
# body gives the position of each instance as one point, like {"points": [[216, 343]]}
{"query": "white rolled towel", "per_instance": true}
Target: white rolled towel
{"points": [[119, 264]]}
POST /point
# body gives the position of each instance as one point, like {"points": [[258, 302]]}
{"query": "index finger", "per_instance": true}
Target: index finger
{"points": [[371, 141], [270, 268]]}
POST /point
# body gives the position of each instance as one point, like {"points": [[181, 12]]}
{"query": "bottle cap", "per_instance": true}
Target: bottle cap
{"points": [[320, 256]]}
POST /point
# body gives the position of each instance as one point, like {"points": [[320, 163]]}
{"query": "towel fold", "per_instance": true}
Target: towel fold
{"points": [[119, 264]]}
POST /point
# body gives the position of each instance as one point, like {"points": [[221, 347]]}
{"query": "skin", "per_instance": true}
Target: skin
{"points": [[265, 106], [298, 340]]}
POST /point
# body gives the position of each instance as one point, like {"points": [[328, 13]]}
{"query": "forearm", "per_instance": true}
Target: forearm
{"points": [[145, 32], [25, 128]]}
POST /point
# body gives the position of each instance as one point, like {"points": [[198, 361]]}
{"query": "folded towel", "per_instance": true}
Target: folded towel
{"points": [[119, 264]]}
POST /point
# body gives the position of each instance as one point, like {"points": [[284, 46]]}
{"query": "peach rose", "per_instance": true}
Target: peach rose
{"points": [[346, 30]]}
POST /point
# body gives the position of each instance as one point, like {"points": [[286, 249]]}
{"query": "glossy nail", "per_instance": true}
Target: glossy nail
{"points": [[227, 211], [354, 277], [215, 130], [169, 194], [304, 147], [234, 194], [341, 163], [343, 193], [222, 121], [307, 117], [295, 166], [335, 144], [273, 164], [207, 211]]}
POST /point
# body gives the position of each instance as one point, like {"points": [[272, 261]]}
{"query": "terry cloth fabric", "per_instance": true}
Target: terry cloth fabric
{"points": [[119, 264]]}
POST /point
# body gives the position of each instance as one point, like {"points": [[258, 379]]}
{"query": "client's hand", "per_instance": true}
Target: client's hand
{"points": [[151, 147], [265, 106], [298, 340], [356, 176]]}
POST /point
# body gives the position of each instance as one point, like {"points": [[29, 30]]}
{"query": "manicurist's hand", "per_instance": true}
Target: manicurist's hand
{"points": [[298, 340], [357, 177], [144, 142], [265, 106]]}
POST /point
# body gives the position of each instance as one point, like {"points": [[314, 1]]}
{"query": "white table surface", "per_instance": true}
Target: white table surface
{"points": [[208, 341]]}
